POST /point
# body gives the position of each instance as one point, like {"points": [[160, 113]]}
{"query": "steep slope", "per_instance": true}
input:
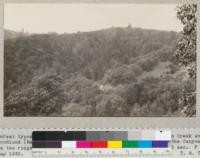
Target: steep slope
{"points": [[136, 66]]}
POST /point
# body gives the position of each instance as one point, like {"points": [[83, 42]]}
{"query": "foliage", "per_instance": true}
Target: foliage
{"points": [[110, 105], [186, 48], [186, 52], [75, 110], [43, 96], [110, 72]]}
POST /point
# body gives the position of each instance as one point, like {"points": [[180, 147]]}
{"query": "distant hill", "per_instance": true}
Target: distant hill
{"points": [[111, 72], [8, 34]]}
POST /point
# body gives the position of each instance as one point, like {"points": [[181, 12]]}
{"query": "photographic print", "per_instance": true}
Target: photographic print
{"points": [[99, 60]]}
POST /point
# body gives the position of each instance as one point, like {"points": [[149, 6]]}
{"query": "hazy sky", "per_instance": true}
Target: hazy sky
{"points": [[60, 18]]}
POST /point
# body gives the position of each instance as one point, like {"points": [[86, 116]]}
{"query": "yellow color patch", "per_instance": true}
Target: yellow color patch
{"points": [[114, 144]]}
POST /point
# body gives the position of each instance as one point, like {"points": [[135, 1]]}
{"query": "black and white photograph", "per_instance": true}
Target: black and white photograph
{"points": [[100, 60]]}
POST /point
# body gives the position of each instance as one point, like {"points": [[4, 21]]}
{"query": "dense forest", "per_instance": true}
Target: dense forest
{"points": [[111, 72]]}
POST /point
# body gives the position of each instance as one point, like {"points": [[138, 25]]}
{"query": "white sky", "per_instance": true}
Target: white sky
{"points": [[60, 18]]}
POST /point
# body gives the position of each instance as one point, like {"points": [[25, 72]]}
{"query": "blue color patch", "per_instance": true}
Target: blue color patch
{"points": [[145, 144]]}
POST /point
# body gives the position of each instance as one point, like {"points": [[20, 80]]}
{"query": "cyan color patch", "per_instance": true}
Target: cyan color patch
{"points": [[145, 144]]}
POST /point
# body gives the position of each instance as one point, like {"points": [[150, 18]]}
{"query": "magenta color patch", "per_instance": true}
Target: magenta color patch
{"points": [[83, 144]]}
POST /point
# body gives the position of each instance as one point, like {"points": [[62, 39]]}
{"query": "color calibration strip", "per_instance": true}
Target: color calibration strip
{"points": [[101, 139], [115, 144], [101, 135], [100, 144]]}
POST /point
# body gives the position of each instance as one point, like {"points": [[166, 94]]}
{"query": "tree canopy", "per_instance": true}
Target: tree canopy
{"points": [[111, 72], [186, 54]]}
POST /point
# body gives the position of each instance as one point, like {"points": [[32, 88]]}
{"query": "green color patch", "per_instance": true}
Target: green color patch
{"points": [[129, 144]]}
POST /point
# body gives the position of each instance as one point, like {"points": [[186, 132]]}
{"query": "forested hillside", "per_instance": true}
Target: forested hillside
{"points": [[8, 34], [111, 72]]}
